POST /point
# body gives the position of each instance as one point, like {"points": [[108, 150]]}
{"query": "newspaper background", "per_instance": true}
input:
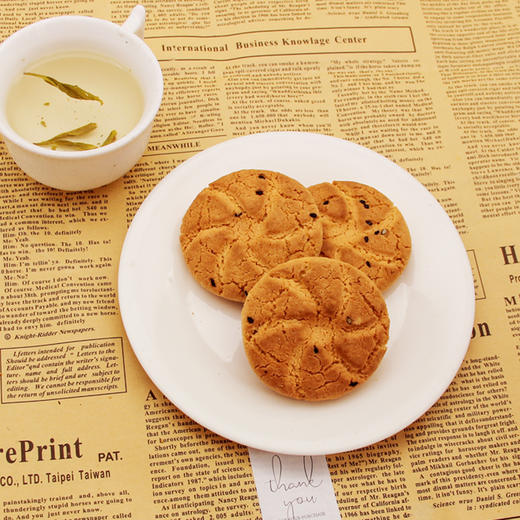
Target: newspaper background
{"points": [[434, 87]]}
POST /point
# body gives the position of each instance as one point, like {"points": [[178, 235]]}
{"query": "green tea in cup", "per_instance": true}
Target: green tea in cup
{"points": [[44, 67], [74, 101]]}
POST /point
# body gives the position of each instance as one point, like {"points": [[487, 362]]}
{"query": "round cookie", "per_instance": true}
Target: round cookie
{"points": [[362, 227], [243, 224], [314, 328]]}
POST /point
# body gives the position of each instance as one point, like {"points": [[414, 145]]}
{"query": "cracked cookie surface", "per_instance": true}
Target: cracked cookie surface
{"points": [[362, 226], [243, 224], [314, 328]]}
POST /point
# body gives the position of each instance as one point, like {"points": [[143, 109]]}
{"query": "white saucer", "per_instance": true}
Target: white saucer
{"points": [[189, 341]]}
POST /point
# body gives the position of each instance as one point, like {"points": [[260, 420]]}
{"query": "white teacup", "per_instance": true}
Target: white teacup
{"points": [[88, 169]]}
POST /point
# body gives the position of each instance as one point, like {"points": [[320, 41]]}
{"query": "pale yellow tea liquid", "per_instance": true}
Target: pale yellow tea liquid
{"points": [[38, 111]]}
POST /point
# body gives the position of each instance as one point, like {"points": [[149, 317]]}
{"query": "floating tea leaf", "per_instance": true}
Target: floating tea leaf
{"points": [[62, 139], [73, 144], [111, 137], [72, 91]]}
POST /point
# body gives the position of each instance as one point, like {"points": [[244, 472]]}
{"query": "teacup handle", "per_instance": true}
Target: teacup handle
{"points": [[135, 21]]}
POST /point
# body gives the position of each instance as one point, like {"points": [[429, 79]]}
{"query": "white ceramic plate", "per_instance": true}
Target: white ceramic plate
{"points": [[189, 341]]}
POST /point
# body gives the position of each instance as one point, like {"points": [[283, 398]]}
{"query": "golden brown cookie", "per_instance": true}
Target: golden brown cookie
{"points": [[362, 227], [243, 224], [314, 328]]}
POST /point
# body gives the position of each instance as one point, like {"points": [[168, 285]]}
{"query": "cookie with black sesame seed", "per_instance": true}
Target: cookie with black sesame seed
{"points": [[243, 224], [314, 328], [362, 226]]}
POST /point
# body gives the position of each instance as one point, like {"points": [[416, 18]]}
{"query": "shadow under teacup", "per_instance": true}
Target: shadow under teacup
{"points": [[71, 168]]}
